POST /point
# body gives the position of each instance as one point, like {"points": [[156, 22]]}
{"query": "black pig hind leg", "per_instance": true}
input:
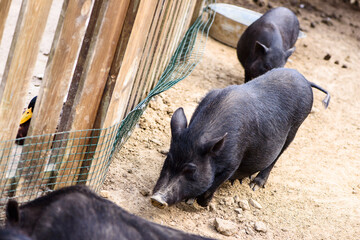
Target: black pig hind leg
{"points": [[261, 178]]}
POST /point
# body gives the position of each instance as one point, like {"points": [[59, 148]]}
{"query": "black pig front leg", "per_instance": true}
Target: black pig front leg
{"points": [[205, 198]]}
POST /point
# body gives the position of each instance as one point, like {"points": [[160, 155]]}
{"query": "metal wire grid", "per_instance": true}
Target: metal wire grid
{"points": [[48, 162]]}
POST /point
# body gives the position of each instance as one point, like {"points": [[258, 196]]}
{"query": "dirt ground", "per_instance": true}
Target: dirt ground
{"points": [[314, 190]]}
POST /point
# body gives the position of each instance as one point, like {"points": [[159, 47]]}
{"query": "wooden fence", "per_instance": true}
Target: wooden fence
{"points": [[105, 57]]}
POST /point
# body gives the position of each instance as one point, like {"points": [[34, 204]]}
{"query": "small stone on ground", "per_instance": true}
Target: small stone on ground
{"points": [[260, 227], [255, 204], [244, 205], [225, 227]]}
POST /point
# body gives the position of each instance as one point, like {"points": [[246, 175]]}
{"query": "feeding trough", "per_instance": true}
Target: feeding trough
{"points": [[231, 21]]}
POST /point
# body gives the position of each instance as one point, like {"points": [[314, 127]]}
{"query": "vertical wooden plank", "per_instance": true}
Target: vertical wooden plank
{"points": [[12, 48], [148, 54], [170, 45], [58, 74], [197, 10], [194, 11], [163, 56], [79, 66], [21, 61], [131, 62], [60, 67], [117, 62], [103, 136], [127, 73], [4, 10], [93, 80]]}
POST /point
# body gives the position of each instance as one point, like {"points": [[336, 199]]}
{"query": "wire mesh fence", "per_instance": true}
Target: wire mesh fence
{"points": [[48, 162]]}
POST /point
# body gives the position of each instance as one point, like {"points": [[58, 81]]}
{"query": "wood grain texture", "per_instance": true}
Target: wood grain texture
{"points": [[126, 76], [21, 63], [117, 62], [58, 74], [4, 11], [169, 23], [60, 67], [175, 32], [18, 71], [131, 62], [148, 54], [93, 78], [176, 27]]}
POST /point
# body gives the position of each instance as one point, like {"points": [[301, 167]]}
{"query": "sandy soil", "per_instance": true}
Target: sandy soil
{"points": [[314, 190]]}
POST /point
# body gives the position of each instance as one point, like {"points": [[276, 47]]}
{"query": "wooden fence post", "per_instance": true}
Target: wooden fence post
{"points": [[133, 40], [117, 63], [127, 73], [4, 11], [21, 61], [92, 83], [173, 31], [149, 52], [58, 74], [133, 72], [31, 28], [60, 67], [108, 90]]}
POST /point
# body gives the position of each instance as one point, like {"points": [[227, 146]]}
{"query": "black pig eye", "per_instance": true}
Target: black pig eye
{"points": [[189, 169]]}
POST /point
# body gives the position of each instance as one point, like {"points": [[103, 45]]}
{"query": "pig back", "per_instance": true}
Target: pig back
{"points": [[77, 213], [256, 114], [283, 94], [287, 24], [280, 93]]}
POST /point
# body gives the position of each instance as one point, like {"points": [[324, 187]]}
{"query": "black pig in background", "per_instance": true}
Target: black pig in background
{"points": [[268, 42]]}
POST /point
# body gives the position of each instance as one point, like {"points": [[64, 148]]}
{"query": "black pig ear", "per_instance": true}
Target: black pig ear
{"points": [[289, 52], [12, 212], [215, 145], [178, 122], [261, 48]]}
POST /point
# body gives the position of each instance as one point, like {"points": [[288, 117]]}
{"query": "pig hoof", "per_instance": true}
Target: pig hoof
{"points": [[254, 187], [158, 202], [256, 184], [203, 202], [190, 201]]}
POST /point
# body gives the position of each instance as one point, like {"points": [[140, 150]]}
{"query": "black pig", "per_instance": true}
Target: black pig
{"points": [[268, 42], [10, 234], [233, 133], [78, 213]]}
